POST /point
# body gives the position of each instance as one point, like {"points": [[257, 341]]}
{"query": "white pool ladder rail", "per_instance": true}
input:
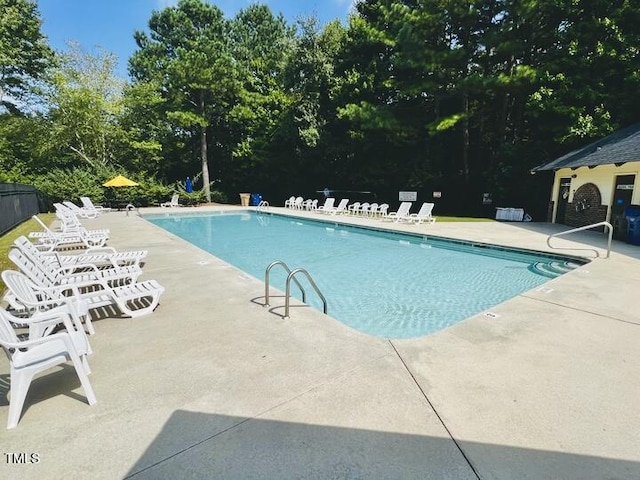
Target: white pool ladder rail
{"points": [[607, 225], [291, 276]]}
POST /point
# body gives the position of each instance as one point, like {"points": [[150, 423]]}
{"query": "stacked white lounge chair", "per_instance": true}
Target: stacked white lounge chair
{"points": [[51, 296]]}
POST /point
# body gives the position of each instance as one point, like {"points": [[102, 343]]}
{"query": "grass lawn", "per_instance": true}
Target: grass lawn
{"points": [[7, 240]]}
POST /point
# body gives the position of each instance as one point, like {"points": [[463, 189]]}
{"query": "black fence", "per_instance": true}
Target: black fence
{"points": [[17, 204]]}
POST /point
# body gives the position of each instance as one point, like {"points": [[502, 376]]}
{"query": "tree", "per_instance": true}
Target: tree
{"points": [[386, 99], [261, 44], [590, 83], [187, 57], [144, 128], [84, 109], [310, 82], [24, 52]]}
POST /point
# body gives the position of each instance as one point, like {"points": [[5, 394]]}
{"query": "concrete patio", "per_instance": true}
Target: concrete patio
{"points": [[214, 385]]}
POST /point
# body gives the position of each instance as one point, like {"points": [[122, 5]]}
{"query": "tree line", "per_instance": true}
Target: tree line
{"points": [[462, 98]]}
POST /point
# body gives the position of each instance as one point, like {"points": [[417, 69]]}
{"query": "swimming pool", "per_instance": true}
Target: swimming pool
{"points": [[387, 284]]}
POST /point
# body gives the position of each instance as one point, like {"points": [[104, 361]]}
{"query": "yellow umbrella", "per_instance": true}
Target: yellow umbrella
{"points": [[120, 181]]}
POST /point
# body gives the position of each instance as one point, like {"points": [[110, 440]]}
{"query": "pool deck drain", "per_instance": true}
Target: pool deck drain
{"points": [[212, 385]]}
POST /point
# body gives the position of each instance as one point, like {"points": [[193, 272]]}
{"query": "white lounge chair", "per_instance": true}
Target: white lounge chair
{"points": [[327, 206], [90, 206], [341, 208], [70, 223], [133, 300], [173, 202], [30, 357], [423, 215], [80, 211], [39, 304], [106, 259], [49, 240], [42, 273], [402, 214]]}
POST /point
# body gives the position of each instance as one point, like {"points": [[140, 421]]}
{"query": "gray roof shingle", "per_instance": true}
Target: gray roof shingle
{"points": [[619, 147]]}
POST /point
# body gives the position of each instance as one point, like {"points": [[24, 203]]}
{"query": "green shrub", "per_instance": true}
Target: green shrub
{"points": [[59, 185]]}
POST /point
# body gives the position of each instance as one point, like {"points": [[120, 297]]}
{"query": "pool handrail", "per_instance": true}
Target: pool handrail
{"points": [[292, 276], [586, 227], [266, 281]]}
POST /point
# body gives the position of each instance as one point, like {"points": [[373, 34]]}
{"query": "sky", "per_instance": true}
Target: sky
{"points": [[110, 24]]}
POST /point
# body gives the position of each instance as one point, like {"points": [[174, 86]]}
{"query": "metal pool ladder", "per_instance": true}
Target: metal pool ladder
{"points": [[587, 227], [291, 276]]}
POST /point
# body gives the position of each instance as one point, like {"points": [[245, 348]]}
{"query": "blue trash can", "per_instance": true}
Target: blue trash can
{"points": [[632, 214], [256, 198]]}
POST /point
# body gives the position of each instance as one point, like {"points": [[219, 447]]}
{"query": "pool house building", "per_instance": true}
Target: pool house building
{"points": [[597, 182]]}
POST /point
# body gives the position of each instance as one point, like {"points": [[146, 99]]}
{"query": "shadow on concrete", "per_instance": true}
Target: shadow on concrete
{"points": [[59, 381], [198, 445]]}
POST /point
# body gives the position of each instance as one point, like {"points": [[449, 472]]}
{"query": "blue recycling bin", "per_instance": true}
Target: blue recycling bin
{"points": [[632, 214], [256, 198]]}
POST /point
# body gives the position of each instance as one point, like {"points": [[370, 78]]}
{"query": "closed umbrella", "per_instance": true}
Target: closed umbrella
{"points": [[188, 185]]}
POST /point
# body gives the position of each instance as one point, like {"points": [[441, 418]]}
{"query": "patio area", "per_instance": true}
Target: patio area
{"points": [[214, 385]]}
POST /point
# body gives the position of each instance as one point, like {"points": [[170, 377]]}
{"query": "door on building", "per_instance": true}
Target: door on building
{"points": [[622, 195], [563, 199]]}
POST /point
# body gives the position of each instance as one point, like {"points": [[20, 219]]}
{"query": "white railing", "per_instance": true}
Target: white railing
{"points": [[607, 225]]}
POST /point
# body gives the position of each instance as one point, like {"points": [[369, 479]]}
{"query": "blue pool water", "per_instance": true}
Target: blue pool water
{"points": [[382, 283]]}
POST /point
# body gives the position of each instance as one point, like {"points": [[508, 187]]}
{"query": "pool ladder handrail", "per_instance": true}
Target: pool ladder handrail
{"points": [[263, 205], [579, 229], [291, 276]]}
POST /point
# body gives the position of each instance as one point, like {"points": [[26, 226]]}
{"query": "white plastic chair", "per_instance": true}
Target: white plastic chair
{"points": [[373, 210], [353, 208], [30, 357], [289, 202], [383, 210]]}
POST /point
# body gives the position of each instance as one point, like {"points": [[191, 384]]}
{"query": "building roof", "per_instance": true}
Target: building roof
{"points": [[618, 148]]}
